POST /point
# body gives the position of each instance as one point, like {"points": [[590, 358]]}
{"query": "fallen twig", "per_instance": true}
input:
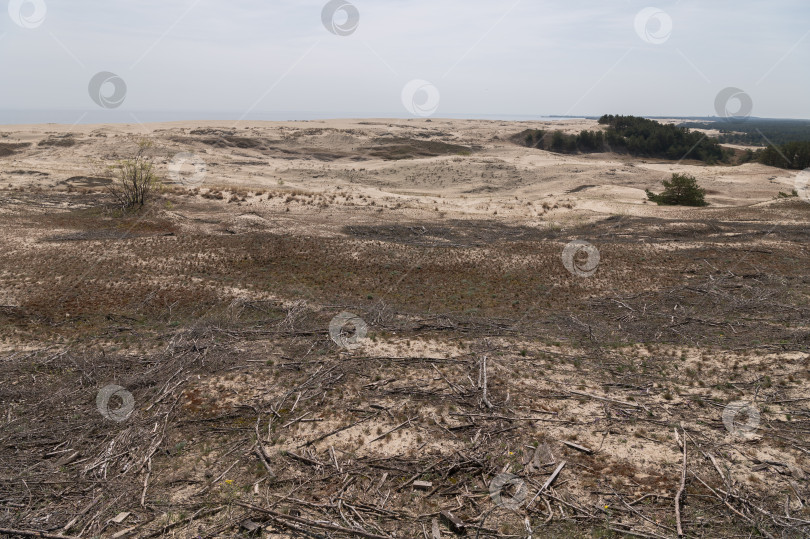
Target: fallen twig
{"points": [[483, 381], [34, 533], [680, 491]]}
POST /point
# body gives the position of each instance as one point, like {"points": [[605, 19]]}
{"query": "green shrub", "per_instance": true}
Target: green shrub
{"points": [[682, 190]]}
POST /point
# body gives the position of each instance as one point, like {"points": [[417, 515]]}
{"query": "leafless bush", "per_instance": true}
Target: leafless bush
{"points": [[135, 178]]}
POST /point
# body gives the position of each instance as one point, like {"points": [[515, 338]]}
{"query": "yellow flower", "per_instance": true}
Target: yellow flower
{"points": [[229, 481]]}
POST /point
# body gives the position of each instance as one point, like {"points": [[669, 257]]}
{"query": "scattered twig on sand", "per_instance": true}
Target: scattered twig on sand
{"points": [[282, 518], [680, 490], [482, 380]]}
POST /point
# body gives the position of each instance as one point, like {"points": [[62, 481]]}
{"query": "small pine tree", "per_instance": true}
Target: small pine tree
{"points": [[682, 190]]}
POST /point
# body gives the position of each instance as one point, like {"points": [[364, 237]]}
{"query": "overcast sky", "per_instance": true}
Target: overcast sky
{"points": [[504, 57]]}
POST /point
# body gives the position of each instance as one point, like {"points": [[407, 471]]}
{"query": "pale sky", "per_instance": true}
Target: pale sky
{"points": [[507, 57]]}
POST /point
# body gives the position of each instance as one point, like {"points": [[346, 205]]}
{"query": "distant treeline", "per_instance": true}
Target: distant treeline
{"points": [[648, 138], [756, 131], [641, 137], [636, 136]]}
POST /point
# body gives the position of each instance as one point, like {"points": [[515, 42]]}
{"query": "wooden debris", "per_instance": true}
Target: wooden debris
{"points": [[125, 532], [146, 481], [75, 519], [249, 525], [383, 435], [680, 492], [34, 533], [120, 517], [482, 378], [202, 513], [423, 485], [340, 429], [453, 522], [551, 479], [578, 447], [418, 475], [282, 517], [434, 528], [301, 458], [64, 461], [605, 399]]}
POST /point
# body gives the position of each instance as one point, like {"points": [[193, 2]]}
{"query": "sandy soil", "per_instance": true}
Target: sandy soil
{"points": [[335, 156], [213, 306]]}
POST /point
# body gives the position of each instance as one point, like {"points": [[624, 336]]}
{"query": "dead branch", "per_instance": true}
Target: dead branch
{"points": [[680, 491]]}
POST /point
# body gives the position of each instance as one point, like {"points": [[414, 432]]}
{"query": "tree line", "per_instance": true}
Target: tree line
{"points": [[793, 155], [630, 134], [641, 137], [756, 131]]}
